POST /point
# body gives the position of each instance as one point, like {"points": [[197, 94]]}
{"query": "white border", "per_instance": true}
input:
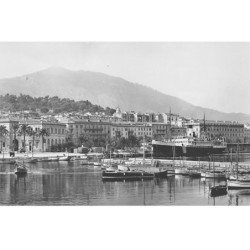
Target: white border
{"points": [[124, 227]]}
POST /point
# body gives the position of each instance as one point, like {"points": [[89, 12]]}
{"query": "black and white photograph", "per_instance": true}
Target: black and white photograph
{"points": [[125, 123]]}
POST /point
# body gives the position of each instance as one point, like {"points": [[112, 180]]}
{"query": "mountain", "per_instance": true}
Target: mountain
{"points": [[107, 91]]}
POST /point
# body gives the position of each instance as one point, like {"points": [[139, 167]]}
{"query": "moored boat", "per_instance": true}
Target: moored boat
{"points": [[126, 175], [218, 190], [239, 184], [20, 169]]}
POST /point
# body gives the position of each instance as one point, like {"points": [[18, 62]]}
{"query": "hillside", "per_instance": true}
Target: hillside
{"points": [[106, 91], [22, 102]]}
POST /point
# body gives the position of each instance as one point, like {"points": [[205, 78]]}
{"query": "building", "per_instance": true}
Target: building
{"points": [[246, 133], [125, 129], [94, 130], [14, 142], [56, 135], [160, 131], [231, 132], [8, 142]]}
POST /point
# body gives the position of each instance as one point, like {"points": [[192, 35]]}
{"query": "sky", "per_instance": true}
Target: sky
{"points": [[211, 75]]}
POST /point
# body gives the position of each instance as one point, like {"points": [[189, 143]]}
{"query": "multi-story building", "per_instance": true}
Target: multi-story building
{"points": [[126, 129], [56, 135], [160, 131], [246, 133], [14, 141], [229, 131], [92, 129], [177, 131], [8, 142]]}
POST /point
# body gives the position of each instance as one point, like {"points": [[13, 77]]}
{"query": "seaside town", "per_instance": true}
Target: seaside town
{"points": [[32, 131]]}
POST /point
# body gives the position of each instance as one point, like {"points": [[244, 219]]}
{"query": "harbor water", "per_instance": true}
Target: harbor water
{"points": [[70, 183]]}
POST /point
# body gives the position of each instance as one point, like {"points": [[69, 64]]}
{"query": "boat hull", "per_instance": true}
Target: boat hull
{"points": [[166, 151], [238, 184], [218, 190], [126, 175]]}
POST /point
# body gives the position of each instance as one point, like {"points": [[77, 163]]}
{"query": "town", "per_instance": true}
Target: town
{"points": [[33, 131]]}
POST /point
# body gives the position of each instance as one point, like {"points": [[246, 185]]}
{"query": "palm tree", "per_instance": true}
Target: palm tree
{"points": [[33, 134], [15, 128], [3, 133], [43, 132], [24, 130]]}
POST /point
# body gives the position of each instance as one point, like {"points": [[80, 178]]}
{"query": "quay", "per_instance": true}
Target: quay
{"points": [[7, 159], [178, 163]]}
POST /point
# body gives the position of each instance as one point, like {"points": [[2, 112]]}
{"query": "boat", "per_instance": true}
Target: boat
{"points": [[194, 173], [20, 169], [53, 158], [161, 173], [218, 190], [215, 174], [242, 182], [85, 162], [64, 158], [126, 175], [181, 171], [239, 184], [187, 147]]}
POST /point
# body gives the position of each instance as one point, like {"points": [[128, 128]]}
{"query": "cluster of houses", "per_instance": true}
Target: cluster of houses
{"points": [[159, 126]]}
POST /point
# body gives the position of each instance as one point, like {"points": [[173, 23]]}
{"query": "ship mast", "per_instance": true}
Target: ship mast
{"points": [[170, 125], [204, 125]]}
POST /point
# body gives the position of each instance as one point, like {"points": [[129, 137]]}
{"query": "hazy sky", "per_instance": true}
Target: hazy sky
{"points": [[213, 75]]}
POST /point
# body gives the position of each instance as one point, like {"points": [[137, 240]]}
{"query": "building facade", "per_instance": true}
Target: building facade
{"points": [[125, 129], [231, 132]]}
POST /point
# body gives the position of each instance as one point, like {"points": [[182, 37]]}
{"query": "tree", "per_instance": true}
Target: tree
{"points": [[3, 133], [43, 132], [15, 128], [85, 140], [24, 130], [33, 134]]}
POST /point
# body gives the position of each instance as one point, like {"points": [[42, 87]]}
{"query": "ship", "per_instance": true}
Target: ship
{"points": [[187, 147]]}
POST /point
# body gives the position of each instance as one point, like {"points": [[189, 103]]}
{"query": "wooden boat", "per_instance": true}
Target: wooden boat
{"points": [[20, 169], [53, 159], [85, 162], [97, 164], [181, 171], [194, 174], [215, 174], [218, 190], [64, 158], [126, 175], [239, 184], [242, 182], [161, 173]]}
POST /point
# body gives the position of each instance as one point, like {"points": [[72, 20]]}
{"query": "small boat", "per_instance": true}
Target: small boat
{"points": [[161, 173], [20, 169], [215, 174], [84, 162], [181, 171], [239, 184], [97, 164], [126, 175], [194, 174], [64, 158], [53, 159], [218, 190]]}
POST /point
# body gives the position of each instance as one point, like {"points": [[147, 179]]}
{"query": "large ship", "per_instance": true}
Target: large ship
{"points": [[187, 147]]}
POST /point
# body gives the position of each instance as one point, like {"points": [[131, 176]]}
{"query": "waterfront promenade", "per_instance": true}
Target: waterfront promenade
{"points": [[6, 158]]}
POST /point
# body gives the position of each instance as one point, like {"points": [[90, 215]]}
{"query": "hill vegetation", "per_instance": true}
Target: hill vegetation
{"points": [[22, 102]]}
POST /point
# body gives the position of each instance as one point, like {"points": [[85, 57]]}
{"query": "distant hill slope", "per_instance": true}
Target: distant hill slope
{"points": [[107, 91]]}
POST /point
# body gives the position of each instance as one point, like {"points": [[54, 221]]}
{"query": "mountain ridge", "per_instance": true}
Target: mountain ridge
{"points": [[107, 91]]}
